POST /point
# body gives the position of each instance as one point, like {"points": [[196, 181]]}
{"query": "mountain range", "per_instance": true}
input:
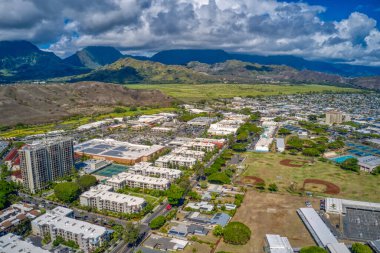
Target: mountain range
{"points": [[21, 60]]}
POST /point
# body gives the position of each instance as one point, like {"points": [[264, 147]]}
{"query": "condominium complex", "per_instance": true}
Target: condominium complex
{"points": [[58, 222], [124, 179], [11, 243], [147, 169], [170, 160], [102, 198], [336, 117], [44, 162], [183, 151]]}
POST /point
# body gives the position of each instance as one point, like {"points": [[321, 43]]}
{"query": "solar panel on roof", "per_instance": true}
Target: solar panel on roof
{"points": [[113, 153], [92, 150], [122, 148], [103, 146]]}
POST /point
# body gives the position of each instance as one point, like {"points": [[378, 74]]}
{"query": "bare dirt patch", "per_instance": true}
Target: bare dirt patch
{"points": [[268, 213], [330, 187], [250, 180], [293, 163]]}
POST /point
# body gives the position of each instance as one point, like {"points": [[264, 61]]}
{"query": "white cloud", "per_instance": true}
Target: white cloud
{"points": [[252, 26]]}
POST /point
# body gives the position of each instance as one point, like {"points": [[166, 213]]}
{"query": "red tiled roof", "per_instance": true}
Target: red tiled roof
{"points": [[11, 155], [17, 173]]}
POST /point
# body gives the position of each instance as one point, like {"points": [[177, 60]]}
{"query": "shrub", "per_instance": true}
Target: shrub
{"points": [[67, 192], [157, 222], [236, 233], [219, 178], [272, 187], [360, 248], [311, 152], [350, 164], [313, 249], [218, 230]]}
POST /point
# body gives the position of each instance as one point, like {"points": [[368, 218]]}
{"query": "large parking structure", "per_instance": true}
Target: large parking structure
{"points": [[111, 170]]}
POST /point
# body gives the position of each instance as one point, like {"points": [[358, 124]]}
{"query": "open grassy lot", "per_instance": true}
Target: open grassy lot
{"points": [[197, 92], [75, 122], [270, 213], [363, 186]]}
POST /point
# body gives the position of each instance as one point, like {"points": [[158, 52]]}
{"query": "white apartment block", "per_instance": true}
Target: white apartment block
{"points": [[11, 243], [183, 151], [170, 160], [147, 169], [200, 146], [102, 198], [124, 179], [58, 222], [225, 127]]}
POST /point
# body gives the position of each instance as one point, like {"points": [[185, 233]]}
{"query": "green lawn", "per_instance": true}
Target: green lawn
{"points": [[76, 122], [197, 92], [363, 186]]}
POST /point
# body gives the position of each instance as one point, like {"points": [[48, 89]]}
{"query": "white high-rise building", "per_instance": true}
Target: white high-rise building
{"points": [[44, 162]]}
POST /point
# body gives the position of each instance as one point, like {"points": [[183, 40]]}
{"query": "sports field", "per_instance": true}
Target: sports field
{"points": [[111, 170], [197, 92], [351, 185], [271, 213]]}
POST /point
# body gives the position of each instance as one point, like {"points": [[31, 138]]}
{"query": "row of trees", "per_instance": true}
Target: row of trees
{"points": [[312, 148], [356, 248]]}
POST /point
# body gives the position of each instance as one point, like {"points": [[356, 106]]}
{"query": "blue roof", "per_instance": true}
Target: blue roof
{"points": [[221, 219]]}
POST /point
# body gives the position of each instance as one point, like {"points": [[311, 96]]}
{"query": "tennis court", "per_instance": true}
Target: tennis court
{"points": [[341, 159], [111, 170]]}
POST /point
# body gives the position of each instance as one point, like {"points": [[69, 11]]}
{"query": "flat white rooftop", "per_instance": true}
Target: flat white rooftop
{"points": [[278, 244], [334, 205], [11, 243], [116, 149], [123, 176]]}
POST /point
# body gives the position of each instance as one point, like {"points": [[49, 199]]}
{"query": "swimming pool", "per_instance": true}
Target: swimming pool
{"points": [[111, 170], [341, 159]]}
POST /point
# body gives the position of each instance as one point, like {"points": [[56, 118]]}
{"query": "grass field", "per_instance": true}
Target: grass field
{"points": [[197, 92], [73, 123], [269, 213], [363, 186]]}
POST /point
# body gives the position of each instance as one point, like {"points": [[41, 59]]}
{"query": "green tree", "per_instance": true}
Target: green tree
{"points": [[174, 194], [284, 131], [131, 233], [313, 249], [219, 178], [86, 181], [350, 164], [360, 248], [272, 187], [157, 222], [376, 171], [236, 233], [67, 191], [218, 230], [336, 145], [311, 152]]}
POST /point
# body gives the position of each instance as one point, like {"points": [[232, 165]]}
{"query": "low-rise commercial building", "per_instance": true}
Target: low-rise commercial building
{"points": [[124, 179], [102, 198], [147, 169], [368, 163], [117, 151], [58, 223]]}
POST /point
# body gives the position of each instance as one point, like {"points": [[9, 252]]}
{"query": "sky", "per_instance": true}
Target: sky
{"points": [[331, 30]]}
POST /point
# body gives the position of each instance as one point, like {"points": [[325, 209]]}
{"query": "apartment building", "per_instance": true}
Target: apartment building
{"points": [[102, 198], [147, 169], [125, 179], [58, 222], [183, 151], [336, 117], [11, 243], [44, 162], [175, 161]]}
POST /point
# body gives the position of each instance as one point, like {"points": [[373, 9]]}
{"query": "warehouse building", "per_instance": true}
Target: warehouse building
{"points": [[102, 198], [124, 179], [277, 244], [319, 231], [117, 151], [58, 222]]}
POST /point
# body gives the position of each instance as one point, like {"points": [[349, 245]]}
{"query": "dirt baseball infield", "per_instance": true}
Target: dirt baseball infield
{"points": [[330, 187]]}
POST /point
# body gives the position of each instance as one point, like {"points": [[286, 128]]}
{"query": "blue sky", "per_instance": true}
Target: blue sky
{"points": [[314, 29], [340, 9]]}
